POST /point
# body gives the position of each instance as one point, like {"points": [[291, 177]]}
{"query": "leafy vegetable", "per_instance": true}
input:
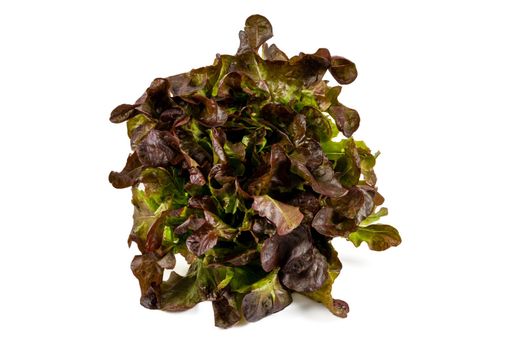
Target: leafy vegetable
{"points": [[234, 168], [378, 237], [266, 297], [285, 217]]}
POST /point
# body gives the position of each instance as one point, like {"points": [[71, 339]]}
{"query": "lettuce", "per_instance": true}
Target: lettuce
{"points": [[234, 168]]}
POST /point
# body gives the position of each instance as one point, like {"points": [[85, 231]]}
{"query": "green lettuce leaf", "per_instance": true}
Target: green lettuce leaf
{"points": [[378, 236]]}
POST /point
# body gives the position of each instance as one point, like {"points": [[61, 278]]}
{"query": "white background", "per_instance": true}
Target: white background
{"points": [[440, 92]]}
